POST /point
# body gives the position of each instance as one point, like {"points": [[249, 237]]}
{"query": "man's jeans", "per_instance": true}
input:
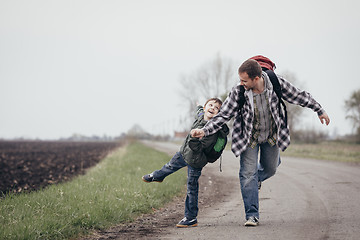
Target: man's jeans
{"points": [[251, 173], [177, 162]]}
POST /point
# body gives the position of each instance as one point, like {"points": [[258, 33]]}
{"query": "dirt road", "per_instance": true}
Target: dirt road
{"points": [[306, 199]]}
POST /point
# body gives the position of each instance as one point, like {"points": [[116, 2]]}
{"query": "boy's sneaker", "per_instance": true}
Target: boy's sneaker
{"points": [[150, 178], [187, 223], [252, 222]]}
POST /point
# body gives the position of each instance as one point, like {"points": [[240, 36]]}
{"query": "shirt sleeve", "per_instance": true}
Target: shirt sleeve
{"points": [[299, 97], [227, 111]]}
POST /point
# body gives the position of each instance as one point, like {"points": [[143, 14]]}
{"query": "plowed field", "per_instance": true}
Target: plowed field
{"points": [[31, 165]]}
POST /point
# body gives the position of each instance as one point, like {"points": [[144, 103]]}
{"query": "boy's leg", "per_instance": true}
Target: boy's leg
{"points": [[249, 181], [191, 203], [269, 161], [177, 162]]}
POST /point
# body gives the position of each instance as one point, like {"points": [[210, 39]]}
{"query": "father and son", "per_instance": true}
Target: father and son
{"points": [[259, 125]]}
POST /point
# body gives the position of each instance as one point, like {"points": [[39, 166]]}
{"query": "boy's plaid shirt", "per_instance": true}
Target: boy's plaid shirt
{"points": [[243, 118]]}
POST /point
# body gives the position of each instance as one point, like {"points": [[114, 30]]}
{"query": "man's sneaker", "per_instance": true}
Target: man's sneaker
{"points": [[252, 222], [187, 223], [150, 178]]}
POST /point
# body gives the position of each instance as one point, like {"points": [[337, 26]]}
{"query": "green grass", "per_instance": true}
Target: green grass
{"points": [[110, 193], [335, 151]]}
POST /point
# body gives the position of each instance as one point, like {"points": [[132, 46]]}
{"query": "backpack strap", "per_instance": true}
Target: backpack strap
{"points": [[241, 100], [220, 163], [277, 88]]}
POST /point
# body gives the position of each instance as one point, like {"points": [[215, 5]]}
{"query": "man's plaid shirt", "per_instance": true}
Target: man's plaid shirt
{"points": [[243, 118]]}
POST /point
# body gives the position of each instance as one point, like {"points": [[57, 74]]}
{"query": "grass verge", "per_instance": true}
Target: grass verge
{"points": [[109, 194], [335, 151]]}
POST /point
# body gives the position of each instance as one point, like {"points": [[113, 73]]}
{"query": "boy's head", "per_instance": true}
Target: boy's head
{"points": [[211, 108]]}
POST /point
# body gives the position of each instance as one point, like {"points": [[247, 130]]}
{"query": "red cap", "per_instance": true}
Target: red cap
{"points": [[264, 62]]}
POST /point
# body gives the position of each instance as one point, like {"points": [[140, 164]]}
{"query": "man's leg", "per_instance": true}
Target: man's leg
{"points": [[249, 181], [269, 161]]}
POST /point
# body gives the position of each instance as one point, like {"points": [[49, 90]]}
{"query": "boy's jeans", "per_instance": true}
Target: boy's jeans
{"points": [[251, 173], [177, 162]]}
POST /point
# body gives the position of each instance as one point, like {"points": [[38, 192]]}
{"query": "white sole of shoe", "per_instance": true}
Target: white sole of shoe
{"points": [[251, 224]]}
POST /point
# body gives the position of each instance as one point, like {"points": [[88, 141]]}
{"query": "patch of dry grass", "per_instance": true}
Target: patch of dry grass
{"points": [[335, 151]]}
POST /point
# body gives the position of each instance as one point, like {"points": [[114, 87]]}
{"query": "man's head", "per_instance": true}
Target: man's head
{"points": [[211, 108], [249, 72]]}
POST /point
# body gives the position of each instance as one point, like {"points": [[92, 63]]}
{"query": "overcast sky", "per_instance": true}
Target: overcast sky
{"points": [[99, 67]]}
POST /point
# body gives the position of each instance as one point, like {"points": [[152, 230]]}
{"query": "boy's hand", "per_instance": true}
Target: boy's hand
{"points": [[197, 133]]}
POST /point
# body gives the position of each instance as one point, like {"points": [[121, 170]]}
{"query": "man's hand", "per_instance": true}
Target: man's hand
{"points": [[197, 133], [324, 117]]}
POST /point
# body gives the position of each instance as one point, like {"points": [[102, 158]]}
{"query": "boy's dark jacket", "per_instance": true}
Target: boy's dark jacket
{"points": [[193, 149]]}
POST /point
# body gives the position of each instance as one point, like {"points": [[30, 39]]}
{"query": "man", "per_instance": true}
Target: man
{"points": [[259, 125]]}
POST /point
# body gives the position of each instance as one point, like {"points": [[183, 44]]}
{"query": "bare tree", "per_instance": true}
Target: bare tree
{"points": [[213, 79], [352, 106], [294, 112]]}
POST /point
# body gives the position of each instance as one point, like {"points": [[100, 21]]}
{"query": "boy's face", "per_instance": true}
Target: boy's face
{"points": [[211, 109]]}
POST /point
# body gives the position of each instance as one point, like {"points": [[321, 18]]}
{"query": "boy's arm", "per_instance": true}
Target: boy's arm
{"points": [[197, 144]]}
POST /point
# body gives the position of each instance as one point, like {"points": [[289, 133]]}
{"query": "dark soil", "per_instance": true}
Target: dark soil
{"points": [[31, 165]]}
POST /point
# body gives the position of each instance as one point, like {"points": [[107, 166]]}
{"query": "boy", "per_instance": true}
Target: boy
{"points": [[192, 155]]}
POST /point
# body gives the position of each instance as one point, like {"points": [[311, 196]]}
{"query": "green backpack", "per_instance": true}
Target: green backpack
{"points": [[214, 152]]}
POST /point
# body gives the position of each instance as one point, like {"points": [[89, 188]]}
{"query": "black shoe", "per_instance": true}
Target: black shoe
{"points": [[150, 178], [252, 222], [259, 185], [187, 223]]}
